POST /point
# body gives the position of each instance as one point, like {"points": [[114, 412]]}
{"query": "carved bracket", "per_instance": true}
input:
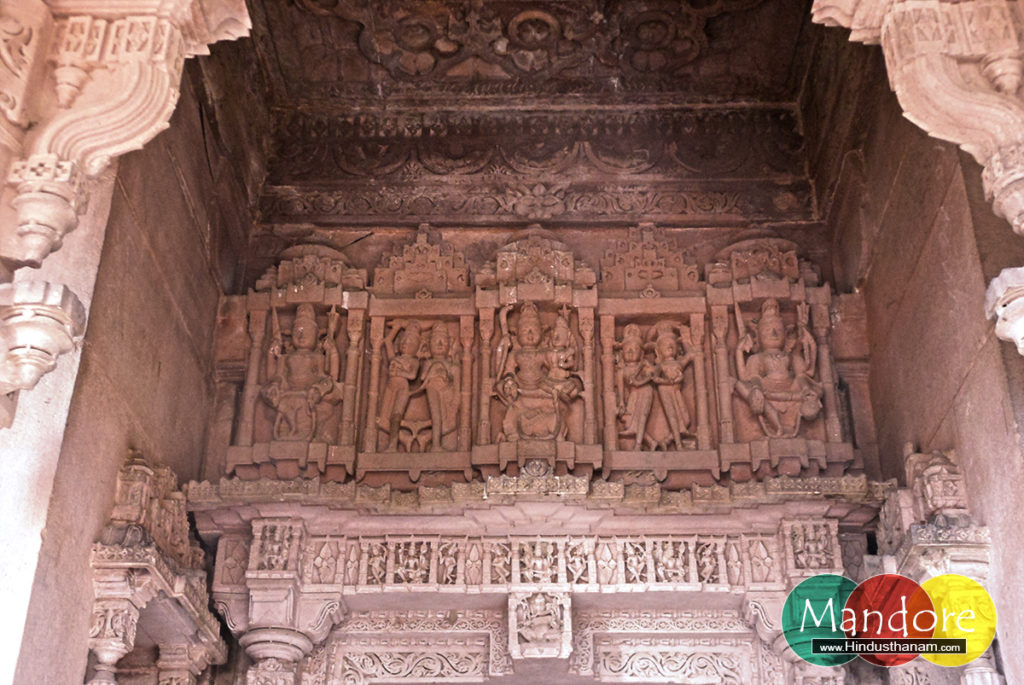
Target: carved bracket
{"points": [[956, 69]]}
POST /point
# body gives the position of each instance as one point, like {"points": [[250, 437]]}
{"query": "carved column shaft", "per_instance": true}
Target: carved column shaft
{"points": [[372, 396], [467, 335], [700, 380], [608, 375], [486, 381], [257, 333], [352, 374], [586, 315], [820, 322], [720, 329]]}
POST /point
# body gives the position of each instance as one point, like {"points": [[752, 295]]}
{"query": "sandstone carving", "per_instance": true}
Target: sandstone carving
{"points": [[776, 380]]}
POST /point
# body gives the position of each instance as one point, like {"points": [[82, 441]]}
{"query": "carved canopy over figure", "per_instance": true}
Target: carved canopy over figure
{"points": [[538, 375], [303, 377], [777, 381]]}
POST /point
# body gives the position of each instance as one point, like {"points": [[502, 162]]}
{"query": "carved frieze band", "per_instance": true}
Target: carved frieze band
{"points": [[498, 564]]}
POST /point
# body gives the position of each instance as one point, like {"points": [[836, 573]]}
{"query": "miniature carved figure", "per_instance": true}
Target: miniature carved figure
{"points": [[669, 561], [777, 381], [403, 368], [303, 381], [376, 564], [537, 381], [538, 564], [539, 619], [634, 392]]}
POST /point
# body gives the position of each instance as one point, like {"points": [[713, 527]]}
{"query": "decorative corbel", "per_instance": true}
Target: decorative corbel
{"points": [[116, 73], [957, 69], [38, 322]]}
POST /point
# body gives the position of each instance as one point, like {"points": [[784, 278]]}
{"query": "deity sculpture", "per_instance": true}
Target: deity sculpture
{"points": [[777, 381], [303, 377], [538, 378], [403, 370], [539, 619], [669, 370], [634, 393], [439, 379], [432, 374], [638, 380]]}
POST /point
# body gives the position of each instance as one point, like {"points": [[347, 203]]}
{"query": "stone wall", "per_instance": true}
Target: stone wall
{"points": [[914, 234], [177, 224]]}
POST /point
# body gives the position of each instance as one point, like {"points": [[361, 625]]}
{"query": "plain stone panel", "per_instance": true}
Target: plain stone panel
{"points": [[919, 188], [937, 326], [141, 341], [988, 448], [150, 184], [887, 138]]}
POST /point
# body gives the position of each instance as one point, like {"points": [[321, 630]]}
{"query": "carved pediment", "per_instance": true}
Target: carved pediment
{"points": [[535, 267], [648, 263], [423, 267], [312, 268]]}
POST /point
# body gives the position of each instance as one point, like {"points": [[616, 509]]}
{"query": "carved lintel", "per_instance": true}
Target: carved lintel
{"points": [[39, 321]]}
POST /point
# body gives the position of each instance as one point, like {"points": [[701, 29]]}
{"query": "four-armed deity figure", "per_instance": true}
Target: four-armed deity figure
{"points": [[303, 377], [538, 378], [777, 381]]}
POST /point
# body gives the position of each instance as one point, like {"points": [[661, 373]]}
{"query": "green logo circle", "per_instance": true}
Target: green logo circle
{"points": [[814, 610]]}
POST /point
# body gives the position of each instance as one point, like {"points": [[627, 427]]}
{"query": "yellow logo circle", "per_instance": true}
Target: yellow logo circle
{"points": [[964, 610]]}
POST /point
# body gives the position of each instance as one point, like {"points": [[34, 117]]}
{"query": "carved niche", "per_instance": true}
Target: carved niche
{"points": [[778, 405], [537, 399], [422, 333], [297, 410], [654, 367]]}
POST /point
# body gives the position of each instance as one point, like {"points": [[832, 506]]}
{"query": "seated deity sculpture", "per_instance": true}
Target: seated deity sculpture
{"points": [[777, 380], [538, 378], [539, 620], [303, 377], [403, 369]]}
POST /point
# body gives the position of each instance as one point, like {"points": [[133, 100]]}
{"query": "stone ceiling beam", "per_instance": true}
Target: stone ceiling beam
{"points": [[956, 69]]}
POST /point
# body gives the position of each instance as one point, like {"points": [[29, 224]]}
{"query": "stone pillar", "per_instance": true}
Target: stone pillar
{"points": [[111, 636], [177, 666]]}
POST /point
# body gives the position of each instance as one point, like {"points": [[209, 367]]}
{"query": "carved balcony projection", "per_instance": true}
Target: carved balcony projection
{"points": [[658, 367], [150, 585]]}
